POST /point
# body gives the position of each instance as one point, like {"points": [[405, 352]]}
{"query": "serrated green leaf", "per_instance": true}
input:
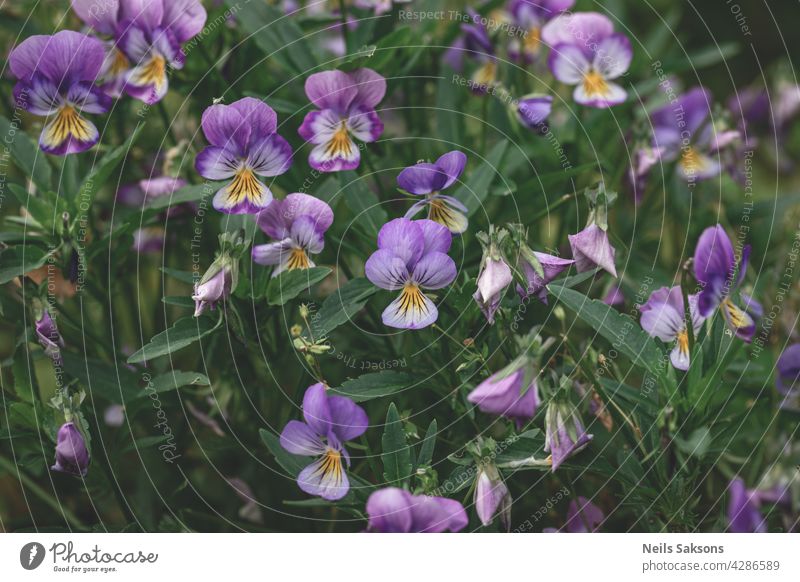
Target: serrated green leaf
{"points": [[290, 284], [395, 452], [377, 385], [185, 332]]}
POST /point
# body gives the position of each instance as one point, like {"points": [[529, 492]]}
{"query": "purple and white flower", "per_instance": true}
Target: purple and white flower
{"points": [[215, 287], [56, 79], [493, 280], [475, 44], [426, 179], [394, 510], [591, 248], [586, 52], [531, 16], [149, 34], [564, 432], [298, 224], [329, 422], [663, 317], [411, 256], [72, 456], [492, 497], [244, 146], [533, 111], [718, 271], [49, 337], [345, 110], [511, 392], [552, 267]]}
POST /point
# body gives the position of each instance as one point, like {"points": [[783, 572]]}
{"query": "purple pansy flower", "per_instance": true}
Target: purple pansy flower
{"points": [[584, 518], [48, 335], [511, 392], [244, 145], [531, 16], [715, 267], [72, 456], [298, 224], [533, 111], [591, 248], [329, 422], [587, 53], [149, 33], [683, 131], [474, 43], [492, 496], [663, 317], [426, 179], [788, 377], [394, 510], [411, 256], [552, 267], [56, 76], [564, 432], [494, 278], [345, 109]]}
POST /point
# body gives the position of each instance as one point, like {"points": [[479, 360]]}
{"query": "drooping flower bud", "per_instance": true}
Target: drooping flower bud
{"points": [[564, 431], [222, 276], [492, 497], [511, 392], [495, 276], [49, 337], [72, 456]]}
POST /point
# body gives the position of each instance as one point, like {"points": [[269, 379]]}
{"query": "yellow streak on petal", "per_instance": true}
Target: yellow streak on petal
{"points": [[412, 299], [533, 40], [67, 122], [331, 464], [298, 259], [692, 161], [486, 74], [735, 315], [594, 85], [154, 72], [440, 212], [340, 145], [683, 342], [245, 185], [120, 64]]}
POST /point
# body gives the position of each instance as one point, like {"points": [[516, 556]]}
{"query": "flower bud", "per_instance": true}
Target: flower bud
{"points": [[492, 496], [564, 432], [72, 456]]}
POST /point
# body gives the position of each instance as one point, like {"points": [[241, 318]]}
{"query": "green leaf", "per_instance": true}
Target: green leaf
{"points": [[276, 34], [290, 284], [526, 451], [193, 193], [428, 444], [185, 332], [625, 334], [292, 464], [341, 305], [697, 444], [41, 210], [179, 300], [474, 191], [16, 261], [369, 215], [377, 385], [26, 154], [395, 453], [182, 276], [111, 381], [174, 380]]}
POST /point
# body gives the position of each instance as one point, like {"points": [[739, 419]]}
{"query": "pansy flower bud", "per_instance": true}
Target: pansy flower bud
{"points": [[72, 456], [492, 497], [564, 432]]}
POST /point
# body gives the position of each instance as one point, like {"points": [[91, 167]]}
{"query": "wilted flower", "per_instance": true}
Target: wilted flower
{"points": [[298, 224], [551, 266], [511, 392], [48, 335], [346, 108], [494, 278], [564, 432], [244, 145], [591, 248], [491, 496], [411, 256], [716, 268], [663, 317], [586, 52], [425, 179], [530, 16], [394, 510], [534, 110], [72, 456], [583, 516], [149, 34], [329, 422], [56, 76]]}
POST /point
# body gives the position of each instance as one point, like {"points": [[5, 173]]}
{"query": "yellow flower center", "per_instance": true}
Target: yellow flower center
{"points": [[735, 315], [412, 299], [340, 144], [154, 72], [533, 40], [594, 85], [244, 185], [67, 122], [440, 212], [486, 74], [331, 464], [298, 259], [683, 342], [691, 160], [120, 63]]}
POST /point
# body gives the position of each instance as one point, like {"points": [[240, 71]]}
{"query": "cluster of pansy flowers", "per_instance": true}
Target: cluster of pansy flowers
{"points": [[132, 47]]}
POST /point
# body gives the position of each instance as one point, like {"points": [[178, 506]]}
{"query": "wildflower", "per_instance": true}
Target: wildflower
{"points": [[494, 278], [536, 284], [744, 506], [591, 248], [587, 53], [411, 256], [72, 456], [533, 111], [148, 39], [474, 43], [298, 224], [491, 495], [49, 337], [244, 145], [531, 16], [663, 317], [788, 377], [222, 276], [683, 131], [425, 179], [585, 518], [564, 432], [345, 109], [329, 422], [511, 392], [394, 510], [716, 268], [56, 76]]}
